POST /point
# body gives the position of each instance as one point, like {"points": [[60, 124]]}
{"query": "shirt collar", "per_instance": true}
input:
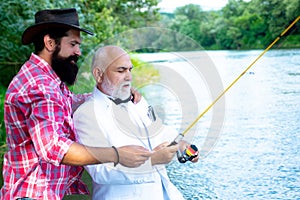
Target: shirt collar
{"points": [[109, 99], [102, 98], [118, 101], [45, 66]]}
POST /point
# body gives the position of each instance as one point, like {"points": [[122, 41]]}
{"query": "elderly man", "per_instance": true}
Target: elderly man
{"points": [[109, 118], [44, 160]]}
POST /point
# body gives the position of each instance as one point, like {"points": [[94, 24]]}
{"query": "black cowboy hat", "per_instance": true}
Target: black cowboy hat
{"points": [[57, 18]]}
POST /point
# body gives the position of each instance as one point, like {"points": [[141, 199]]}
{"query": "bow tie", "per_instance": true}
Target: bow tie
{"points": [[118, 101]]}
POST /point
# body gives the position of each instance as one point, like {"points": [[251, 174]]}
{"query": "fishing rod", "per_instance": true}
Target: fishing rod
{"points": [[190, 152]]}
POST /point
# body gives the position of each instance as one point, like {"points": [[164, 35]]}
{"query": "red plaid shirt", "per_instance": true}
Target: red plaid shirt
{"points": [[40, 130]]}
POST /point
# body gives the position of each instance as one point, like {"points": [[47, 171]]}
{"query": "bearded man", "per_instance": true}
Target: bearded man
{"points": [[44, 160], [109, 118]]}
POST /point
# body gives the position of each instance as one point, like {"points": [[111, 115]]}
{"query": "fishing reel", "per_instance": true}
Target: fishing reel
{"points": [[188, 154]]}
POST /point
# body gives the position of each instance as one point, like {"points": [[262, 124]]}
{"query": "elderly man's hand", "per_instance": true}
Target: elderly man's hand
{"points": [[163, 154], [135, 96]]}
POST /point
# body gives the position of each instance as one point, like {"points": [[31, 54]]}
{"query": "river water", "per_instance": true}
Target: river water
{"points": [[257, 153]]}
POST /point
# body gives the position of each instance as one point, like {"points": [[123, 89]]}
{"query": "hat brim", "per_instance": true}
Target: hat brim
{"points": [[33, 30]]}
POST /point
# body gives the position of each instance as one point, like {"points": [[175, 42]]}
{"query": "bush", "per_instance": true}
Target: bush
{"points": [[2, 127], [2, 130]]}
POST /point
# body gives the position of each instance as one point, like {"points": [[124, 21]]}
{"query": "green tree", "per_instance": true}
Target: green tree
{"points": [[188, 21], [292, 8], [233, 8], [252, 30], [209, 28], [190, 11], [273, 13], [14, 18]]}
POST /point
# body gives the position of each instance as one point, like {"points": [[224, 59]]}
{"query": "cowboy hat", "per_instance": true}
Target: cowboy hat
{"points": [[47, 19]]}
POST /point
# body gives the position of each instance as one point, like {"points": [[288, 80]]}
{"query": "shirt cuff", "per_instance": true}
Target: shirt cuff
{"points": [[61, 149]]}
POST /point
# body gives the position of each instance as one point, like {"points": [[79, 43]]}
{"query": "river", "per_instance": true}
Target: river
{"points": [[256, 147]]}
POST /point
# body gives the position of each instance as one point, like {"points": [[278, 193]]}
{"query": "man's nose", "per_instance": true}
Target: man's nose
{"points": [[77, 50], [128, 76]]}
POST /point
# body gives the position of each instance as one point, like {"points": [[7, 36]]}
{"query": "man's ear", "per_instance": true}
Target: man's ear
{"points": [[98, 74], [49, 43]]}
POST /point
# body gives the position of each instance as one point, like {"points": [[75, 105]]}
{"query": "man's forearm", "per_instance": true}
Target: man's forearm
{"points": [[128, 156], [80, 155]]}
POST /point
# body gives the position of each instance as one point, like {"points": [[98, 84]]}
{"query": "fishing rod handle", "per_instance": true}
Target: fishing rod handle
{"points": [[178, 138]]}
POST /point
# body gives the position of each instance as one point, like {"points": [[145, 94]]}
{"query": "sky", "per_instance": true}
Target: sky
{"points": [[170, 5]]}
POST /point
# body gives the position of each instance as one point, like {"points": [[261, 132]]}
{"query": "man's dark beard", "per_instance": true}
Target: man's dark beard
{"points": [[64, 68]]}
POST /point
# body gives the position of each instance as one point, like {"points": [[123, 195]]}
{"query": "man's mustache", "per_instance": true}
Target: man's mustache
{"points": [[72, 58], [125, 83]]}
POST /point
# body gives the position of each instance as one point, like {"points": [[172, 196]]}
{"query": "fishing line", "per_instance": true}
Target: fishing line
{"points": [[181, 135]]}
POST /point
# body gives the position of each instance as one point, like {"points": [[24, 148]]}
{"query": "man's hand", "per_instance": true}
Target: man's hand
{"points": [[163, 154], [133, 155], [135, 96]]}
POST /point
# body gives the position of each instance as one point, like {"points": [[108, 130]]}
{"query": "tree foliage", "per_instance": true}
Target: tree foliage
{"points": [[238, 25]]}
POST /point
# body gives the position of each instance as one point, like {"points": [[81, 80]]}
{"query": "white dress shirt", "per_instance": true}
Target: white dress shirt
{"points": [[101, 123]]}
